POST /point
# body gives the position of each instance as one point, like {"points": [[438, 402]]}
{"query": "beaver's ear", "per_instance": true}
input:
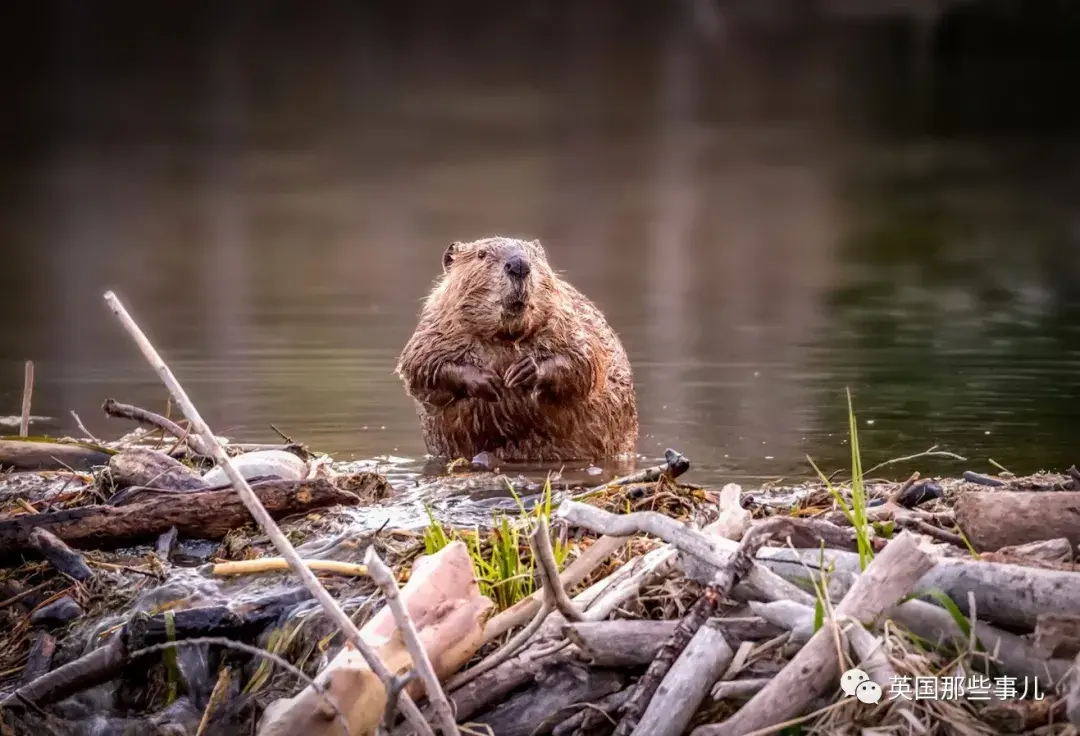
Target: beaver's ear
{"points": [[448, 255]]}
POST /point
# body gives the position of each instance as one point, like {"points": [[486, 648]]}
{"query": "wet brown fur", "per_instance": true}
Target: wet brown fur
{"points": [[525, 369]]}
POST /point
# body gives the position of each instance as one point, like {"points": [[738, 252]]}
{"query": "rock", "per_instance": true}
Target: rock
{"points": [[920, 493], [62, 611]]}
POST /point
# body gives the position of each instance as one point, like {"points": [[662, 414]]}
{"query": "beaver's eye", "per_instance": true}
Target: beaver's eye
{"points": [[481, 254]]}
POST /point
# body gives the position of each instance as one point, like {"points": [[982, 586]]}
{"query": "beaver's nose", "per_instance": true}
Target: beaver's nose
{"points": [[517, 267]]}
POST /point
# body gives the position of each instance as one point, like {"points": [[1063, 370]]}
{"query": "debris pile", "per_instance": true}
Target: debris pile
{"points": [[645, 606]]}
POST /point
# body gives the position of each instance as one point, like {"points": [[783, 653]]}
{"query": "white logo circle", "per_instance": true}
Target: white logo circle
{"points": [[868, 692], [851, 679]]}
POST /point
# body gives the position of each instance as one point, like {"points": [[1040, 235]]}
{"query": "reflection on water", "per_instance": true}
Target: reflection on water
{"points": [[768, 209]]}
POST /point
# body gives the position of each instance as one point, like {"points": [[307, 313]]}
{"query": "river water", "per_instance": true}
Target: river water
{"points": [[770, 205]]}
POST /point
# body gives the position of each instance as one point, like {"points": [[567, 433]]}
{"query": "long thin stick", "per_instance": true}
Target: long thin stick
{"points": [[270, 564], [262, 517], [545, 560], [382, 576], [28, 391]]}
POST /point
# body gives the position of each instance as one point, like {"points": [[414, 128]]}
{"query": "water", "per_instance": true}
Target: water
{"points": [[769, 205]]}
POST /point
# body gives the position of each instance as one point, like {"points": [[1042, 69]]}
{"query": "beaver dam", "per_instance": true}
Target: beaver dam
{"points": [[169, 582]]}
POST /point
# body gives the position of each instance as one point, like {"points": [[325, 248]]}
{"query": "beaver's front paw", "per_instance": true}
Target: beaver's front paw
{"points": [[479, 383], [524, 374]]}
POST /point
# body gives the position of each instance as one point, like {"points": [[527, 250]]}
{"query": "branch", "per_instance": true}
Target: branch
{"points": [[382, 576], [262, 517]]}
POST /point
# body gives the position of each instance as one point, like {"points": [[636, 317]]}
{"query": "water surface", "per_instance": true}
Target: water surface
{"points": [[768, 206]]}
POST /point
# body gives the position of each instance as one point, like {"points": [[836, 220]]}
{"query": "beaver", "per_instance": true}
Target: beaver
{"points": [[510, 359]]}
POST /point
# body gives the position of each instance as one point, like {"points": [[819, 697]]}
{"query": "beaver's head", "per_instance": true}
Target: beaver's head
{"points": [[500, 286]]}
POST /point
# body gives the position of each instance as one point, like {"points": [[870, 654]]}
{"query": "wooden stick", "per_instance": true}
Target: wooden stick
{"points": [[715, 553], [815, 668], [699, 613], [217, 696], [382, 576], [333, 611], [28, 392], [699, 666], [62, 557], [545, 558], [674, 465], [273, 564], [114, 408]]}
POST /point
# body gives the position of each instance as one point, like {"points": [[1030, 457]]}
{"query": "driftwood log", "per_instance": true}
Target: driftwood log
{"points": [[1016, 656], [996, 519], [620, 643], [62, 557], [1008, 595], [30, 455], [691, 676], [537, 710], [142, 466], [204, 515], [815, 668], [632, 642]]}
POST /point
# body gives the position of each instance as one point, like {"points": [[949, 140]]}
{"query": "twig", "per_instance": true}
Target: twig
{"points": [[674, 465], [932, 452], [895, 496], [715, 552], [148, 418], [540, 541], [392, 693], [216, 696], [269, 564], [262, 517], [28, 392], [26, 593], [592, 714], [382, 576], [82, 428], [942, 535]]}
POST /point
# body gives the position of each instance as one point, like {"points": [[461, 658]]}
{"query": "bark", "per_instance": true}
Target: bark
{"points": [[700, 665], [536, 711], [992, 520], [141, 466], [1009, 595], [28, 455], [203, 515], [62, 557]]}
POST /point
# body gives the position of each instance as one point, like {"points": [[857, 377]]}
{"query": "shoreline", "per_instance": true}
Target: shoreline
{"points": [[726, 620]]}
